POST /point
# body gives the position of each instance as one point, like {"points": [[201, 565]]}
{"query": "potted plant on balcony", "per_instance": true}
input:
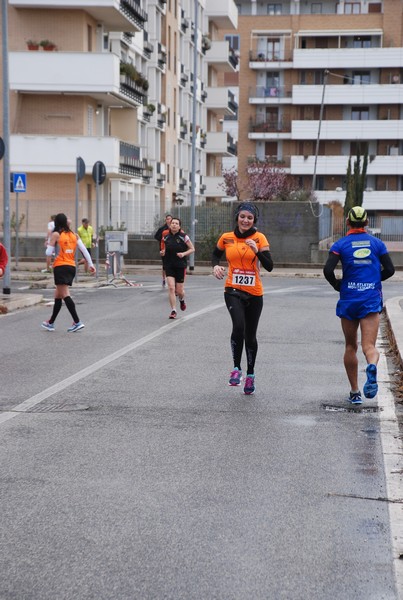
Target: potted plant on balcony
{"points": [[32, 45], [47, 45]]}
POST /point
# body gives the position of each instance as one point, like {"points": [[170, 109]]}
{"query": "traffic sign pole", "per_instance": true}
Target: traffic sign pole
{"points": [[6, 136], [17, 230]]}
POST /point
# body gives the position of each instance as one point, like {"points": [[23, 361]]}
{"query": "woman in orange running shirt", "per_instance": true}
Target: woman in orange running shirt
{"points": [[245, 250], [64, 270]]}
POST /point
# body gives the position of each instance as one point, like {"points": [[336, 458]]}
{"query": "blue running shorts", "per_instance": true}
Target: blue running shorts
{"points": [[352, 311]]}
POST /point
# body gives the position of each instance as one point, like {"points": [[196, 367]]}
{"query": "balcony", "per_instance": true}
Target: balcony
{"points": [[221, 101], [348, 130], [161, 120], [57, 154], [90, 73], [223, 13], [183, 77], [270, 94], [222, 57], [266, 60], [183, 129], [130, 162], [220, 143], [352, 58], [160, 175], [161, 57], [125, 15], [269, 129], [148, 47], [347, 94]]}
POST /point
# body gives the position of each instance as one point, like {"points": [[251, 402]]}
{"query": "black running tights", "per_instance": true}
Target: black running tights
{"points": [[245, 313]]}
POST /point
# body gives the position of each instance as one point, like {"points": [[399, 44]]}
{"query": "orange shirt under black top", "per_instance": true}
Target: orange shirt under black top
{"points": [[67, 250], [244, 267]]}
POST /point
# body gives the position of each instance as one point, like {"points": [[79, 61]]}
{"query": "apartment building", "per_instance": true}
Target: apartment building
{"points": [[124, 83], [319, 82]]}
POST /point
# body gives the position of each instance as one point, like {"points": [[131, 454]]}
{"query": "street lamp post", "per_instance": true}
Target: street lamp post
{"points": [[194, 117], [326, 73]]}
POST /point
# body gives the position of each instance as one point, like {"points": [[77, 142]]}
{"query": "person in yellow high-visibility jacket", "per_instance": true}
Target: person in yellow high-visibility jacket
{"points": [[86, 233]]}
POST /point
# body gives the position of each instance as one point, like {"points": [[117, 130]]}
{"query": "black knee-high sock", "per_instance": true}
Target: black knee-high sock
{"points": [[69, 302], [56, 309]]}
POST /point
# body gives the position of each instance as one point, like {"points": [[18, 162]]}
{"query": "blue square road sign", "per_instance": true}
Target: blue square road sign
{"points": [[20, 182]]}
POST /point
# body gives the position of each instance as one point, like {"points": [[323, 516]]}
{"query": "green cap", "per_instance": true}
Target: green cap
{"points": [[357, 214]]}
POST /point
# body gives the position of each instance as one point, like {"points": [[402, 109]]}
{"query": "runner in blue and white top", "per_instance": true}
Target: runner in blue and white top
{"points": [[365, 264]]}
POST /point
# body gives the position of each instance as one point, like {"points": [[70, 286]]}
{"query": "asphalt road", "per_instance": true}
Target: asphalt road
{"points": [[130, 470]]}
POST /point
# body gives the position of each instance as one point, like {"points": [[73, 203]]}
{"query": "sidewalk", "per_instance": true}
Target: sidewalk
{"points": [[31, 271]]}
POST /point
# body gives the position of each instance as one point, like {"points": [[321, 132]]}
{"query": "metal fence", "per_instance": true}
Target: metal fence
{"points": [[34, 215], [388, 229]]}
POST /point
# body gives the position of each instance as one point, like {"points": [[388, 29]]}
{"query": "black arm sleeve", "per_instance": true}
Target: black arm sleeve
{"points": [[387, 267], [217, 255], [328, 271], [265, 260]]}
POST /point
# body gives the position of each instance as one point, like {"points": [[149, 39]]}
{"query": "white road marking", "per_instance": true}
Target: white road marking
{"points": [[100, 364], [392, 450]]}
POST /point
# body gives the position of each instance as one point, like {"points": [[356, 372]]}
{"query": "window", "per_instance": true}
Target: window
{"points": [[360, 113], [361, 41], [316, 8], [233, 41], [273, 49], [318, 77], [361, 78], [352, 8], [274, 9], [320, 183], [90, 120]]}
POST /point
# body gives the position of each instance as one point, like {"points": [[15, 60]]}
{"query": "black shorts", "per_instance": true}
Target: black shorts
{"points": [[64, 275], [178, 273]]}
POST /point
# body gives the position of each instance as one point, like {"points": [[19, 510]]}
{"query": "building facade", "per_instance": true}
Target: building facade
{"points": [[320, 82], [123, 83]]}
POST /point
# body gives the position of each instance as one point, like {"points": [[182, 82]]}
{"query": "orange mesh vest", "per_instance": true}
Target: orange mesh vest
{"points": [[67, 249], [244, 266]]}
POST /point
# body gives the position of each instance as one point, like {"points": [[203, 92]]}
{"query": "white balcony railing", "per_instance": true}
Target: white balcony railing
{"points": [[348, 130], [223, 13], [351, 58], [337, 165], [107, 12], [372, 200], [221, 101], [57, 154], [88, 73], [347, 94], [221, 57]]}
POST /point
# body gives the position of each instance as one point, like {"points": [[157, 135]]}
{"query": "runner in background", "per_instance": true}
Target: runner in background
{"points": [[51, 226], [245, 250], [175, 248], [3, 259], [86, 233], [158, 237], [64, 270]]}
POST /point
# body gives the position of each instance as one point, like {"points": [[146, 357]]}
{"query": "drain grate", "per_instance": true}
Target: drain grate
{"points": [[45, 407], [351, 409]]}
